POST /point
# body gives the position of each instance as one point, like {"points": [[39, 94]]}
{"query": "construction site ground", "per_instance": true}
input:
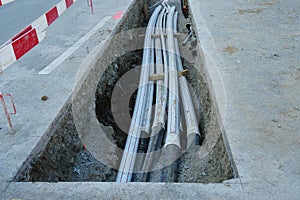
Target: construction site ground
{"points": [[251, 51]]}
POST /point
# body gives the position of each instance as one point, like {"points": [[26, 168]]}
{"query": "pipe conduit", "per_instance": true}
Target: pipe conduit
{"points": [[161, 56]]}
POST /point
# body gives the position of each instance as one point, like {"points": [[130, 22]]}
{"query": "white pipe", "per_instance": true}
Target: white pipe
{"points": [[173, 103], [188, 107], [161, 98], [161, 85], [129, 155]]}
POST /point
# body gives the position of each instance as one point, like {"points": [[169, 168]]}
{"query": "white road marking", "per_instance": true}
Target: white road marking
{"points": [[73, 48]]}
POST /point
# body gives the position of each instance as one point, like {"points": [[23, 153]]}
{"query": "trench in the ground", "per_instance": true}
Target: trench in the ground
{"points": [[65, 157]]}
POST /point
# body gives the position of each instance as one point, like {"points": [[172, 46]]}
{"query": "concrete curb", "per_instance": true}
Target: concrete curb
{"points": [[214, 77]]}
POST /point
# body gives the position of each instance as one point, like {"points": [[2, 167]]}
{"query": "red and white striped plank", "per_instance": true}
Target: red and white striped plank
{"points": [[20, 46], [30, 36], [2, 2]]}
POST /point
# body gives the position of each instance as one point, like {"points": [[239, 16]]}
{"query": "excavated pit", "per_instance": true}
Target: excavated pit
{"points": [[66, 158]]}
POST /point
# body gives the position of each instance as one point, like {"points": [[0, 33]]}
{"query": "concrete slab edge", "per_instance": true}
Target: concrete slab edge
{"points": [[213, 75]]}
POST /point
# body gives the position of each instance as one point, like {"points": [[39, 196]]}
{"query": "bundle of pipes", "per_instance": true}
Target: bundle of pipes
{"points": [[142, 140]]}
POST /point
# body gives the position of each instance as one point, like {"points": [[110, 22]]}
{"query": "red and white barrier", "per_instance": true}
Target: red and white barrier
{"points": [[30, 36], [2, 2], [90, 3]]}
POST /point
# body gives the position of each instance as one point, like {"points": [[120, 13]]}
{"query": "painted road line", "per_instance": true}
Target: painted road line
{"points": [[52, 66]]}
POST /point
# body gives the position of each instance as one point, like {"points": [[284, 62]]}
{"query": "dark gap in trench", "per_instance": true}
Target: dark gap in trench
{"points": [[132, 102], [107, 84]]}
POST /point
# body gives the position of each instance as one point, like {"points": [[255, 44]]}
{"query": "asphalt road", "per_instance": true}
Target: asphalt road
{"points": [[18, 14]]}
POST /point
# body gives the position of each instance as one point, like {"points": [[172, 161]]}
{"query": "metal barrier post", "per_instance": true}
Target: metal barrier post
{"points": [[90, 3], [92, 8], [2, 96]]}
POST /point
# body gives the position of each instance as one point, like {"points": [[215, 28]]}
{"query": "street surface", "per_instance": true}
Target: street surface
{"points": [[18, 14]]}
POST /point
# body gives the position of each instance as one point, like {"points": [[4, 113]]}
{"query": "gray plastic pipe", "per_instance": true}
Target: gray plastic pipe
{"points": [[173, 101], [129, 156], [193, 134], [161, 98]]}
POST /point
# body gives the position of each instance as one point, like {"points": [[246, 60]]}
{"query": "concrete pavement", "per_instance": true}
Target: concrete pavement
{"points": [[254, 46], [251, 51]]}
